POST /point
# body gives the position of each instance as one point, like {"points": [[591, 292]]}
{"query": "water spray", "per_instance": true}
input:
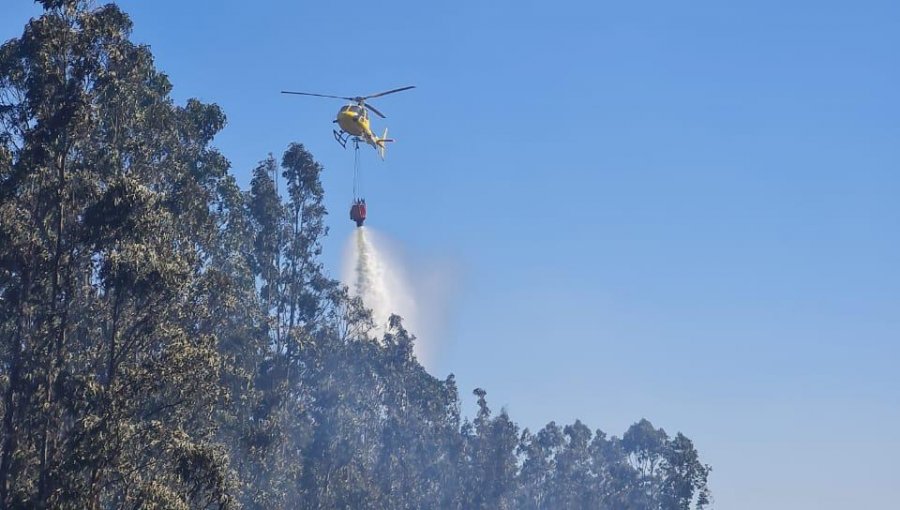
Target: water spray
{"points": [[377, 277]]}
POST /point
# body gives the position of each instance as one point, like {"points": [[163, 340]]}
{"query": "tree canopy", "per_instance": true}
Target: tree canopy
{"points": [[168, 340]]}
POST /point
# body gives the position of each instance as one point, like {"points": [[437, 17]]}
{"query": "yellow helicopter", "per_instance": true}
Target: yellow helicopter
{"points": [[354, 121]]}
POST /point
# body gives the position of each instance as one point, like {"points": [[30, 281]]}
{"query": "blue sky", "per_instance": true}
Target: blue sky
{"points": [[681, 211]]}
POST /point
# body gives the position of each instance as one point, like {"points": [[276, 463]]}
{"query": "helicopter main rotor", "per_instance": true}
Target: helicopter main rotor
{"points": [[360, 100]]}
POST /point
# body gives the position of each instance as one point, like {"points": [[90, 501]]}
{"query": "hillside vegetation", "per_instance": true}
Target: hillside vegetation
{"points": [[169, 340]]}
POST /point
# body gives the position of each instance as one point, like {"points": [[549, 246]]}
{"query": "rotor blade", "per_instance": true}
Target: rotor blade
{"points": [[389, 92], [375, 110], [316, 95]]}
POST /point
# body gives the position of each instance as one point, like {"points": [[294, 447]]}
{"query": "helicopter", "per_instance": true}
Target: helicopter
{"points": [[353, 119]]}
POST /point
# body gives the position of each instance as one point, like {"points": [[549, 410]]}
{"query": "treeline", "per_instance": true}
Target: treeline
{"points": [[170, 341]]}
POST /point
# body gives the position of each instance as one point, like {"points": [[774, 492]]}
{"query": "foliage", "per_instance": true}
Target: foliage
{"points": [[170, 341]]}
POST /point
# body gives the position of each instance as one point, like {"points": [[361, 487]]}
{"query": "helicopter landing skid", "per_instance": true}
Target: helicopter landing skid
{"points": [[342, 137]]}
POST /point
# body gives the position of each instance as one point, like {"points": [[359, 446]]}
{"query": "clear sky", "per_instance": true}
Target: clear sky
{"points": [[685, 211]]}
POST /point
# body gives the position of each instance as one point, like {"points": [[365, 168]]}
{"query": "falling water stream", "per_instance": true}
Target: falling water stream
{"points": [[375, 275]]}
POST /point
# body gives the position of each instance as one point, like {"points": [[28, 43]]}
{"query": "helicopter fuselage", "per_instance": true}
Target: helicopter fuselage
{"points": [[354, 123], [354, 120]]}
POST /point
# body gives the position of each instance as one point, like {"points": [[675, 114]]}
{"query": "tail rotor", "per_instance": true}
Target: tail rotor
{"points": [[380, 142]]}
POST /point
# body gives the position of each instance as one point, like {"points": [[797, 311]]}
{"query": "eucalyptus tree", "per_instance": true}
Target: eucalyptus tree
{"points": [[110, 367], [168, 340]]}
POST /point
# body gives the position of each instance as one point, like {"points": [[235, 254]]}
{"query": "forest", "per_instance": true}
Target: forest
{"points": [[169, 340]]}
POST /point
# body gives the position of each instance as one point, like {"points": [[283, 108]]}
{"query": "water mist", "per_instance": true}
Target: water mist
{"points": [[375, 274]]}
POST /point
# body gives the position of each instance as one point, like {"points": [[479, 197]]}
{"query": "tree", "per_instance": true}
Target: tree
{"points": [[489, 470], [684, 476], [170, 341], [109, 374], [537, 475], [573, 468]]}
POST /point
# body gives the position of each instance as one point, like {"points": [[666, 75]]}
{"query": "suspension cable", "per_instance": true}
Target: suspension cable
{"points": [[357, 173]]}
